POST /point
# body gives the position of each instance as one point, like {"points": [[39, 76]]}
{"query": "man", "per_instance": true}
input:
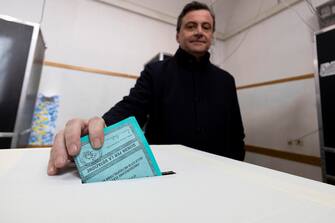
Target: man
{"points": [[184, 100]]}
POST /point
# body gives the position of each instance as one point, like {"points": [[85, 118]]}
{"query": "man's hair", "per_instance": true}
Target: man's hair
{"points": [[192, 6]]}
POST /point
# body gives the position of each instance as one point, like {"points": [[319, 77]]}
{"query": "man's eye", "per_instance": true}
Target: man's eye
{"points": [[207, 27], [190, 26]]}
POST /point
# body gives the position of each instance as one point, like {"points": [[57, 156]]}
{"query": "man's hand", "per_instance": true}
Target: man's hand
{"points": [[67, 142]]}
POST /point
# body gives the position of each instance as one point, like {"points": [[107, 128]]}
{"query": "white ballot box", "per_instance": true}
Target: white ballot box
{"points": [[205, 188]]}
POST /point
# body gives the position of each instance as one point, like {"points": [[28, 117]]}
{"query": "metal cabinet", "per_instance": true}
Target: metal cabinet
{"points": [[21, 59], [325, 89]]}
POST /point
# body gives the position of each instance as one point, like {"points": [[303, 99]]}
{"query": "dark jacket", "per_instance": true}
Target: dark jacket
{"points": [[188, 102]]}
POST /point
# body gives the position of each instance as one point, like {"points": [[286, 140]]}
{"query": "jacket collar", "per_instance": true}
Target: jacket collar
{"points": [[187, 59]]}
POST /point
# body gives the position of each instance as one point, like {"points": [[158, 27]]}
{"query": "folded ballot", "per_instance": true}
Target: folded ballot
{"points": [[125, 154]]}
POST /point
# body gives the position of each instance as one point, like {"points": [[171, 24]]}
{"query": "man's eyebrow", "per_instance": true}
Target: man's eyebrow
{"points": [[195, 22], [190, 22]]}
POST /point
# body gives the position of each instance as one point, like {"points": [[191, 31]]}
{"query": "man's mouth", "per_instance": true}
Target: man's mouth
{"points": [[198, 41]]}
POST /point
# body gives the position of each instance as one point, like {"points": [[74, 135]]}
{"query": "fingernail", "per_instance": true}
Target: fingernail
{"points": [[74, 149], [96, 143], [51, 170]]}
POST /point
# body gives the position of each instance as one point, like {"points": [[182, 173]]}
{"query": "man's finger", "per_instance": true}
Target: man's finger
{"points": [[52, 170], [58, 155], [96, 131], [72, 134]]}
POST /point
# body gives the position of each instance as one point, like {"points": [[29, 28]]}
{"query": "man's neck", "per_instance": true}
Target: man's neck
{"points": [[197, 56]]}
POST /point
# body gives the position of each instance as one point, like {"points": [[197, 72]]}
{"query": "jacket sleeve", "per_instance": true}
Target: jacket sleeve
{"points": [[137, 103], [237, 134]]}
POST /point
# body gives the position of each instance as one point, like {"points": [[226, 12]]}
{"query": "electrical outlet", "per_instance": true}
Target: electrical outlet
{"points": [[299, 142], [295, 142]]}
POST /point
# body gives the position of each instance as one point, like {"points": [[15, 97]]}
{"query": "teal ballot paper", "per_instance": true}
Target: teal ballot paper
{"points": [[125, 154]]}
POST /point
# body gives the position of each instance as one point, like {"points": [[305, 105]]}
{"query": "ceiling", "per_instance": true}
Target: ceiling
{"points": [[232, 16], [222, 8], [168, 11]]}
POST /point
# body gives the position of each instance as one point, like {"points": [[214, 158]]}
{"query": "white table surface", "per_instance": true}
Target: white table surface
{"points": [[205, 188]]}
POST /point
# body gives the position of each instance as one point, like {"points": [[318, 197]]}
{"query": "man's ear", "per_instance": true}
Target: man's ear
{"points": [[177, 37]]}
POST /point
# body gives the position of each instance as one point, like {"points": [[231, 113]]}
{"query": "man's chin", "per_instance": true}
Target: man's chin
{"points": [[196, 51]]}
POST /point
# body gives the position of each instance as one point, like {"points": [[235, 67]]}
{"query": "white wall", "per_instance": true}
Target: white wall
{"points": [[83, 95], [279, 47], [94, 34], [91, 34], [20, 10]]}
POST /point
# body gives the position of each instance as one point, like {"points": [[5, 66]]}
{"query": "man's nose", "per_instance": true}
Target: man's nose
{"points": [[199, 31]]}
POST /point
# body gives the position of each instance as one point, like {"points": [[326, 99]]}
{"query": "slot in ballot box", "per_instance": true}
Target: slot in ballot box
{"points": [[205, 188]]}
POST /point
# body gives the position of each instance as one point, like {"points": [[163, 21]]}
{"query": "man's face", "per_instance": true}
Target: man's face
{"points": [[196, 32]]}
